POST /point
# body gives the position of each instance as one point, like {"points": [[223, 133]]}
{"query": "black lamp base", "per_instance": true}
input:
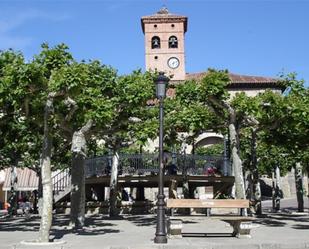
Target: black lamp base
{"points": [[160, 239]]}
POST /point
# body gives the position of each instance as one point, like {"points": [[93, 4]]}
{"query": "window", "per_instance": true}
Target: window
{"points": [[156, 57], [155, 26], [173, 42], [173, 25], [155, 42]]}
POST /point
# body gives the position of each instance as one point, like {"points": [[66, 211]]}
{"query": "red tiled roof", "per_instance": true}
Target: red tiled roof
{"points": [[237, 78]]}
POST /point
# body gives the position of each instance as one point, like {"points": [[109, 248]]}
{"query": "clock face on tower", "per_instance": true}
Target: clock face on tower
{"points": [[173, 62]]}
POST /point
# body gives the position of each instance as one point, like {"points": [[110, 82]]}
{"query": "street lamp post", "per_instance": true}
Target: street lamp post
{"points": [[161, 82]]}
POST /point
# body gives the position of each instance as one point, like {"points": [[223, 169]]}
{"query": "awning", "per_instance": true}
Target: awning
{"points": [[27, 180], [2, 176]]}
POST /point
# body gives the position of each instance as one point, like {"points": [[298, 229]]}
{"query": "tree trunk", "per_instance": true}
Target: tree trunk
{"points": [[226, 158], [299, 187], [193, 146], [78, 191], [240, 192], [79, 153], [140, 193], [185, 184], [273, 191], [249, 185], [237, 167], [47, 187], [113, 210], [172, 190], [278, 191], [257, 194], [13, 192], [37, 208]]}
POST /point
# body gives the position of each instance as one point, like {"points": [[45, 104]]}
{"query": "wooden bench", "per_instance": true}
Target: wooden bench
{"points": [[241, 224], [207, 204]]}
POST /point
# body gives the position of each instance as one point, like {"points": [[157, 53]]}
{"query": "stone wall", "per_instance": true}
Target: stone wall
{"points": [[287, 185]]}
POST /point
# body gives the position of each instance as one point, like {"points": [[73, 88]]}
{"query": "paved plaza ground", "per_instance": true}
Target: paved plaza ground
{"points": [[287, 229]]}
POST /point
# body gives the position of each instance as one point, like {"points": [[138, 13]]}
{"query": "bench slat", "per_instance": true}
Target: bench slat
{"points": [[216, 203]]}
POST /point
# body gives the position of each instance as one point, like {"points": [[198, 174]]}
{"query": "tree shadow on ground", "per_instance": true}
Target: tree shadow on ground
{"points": [[95, 225], [106, 217], [12, 224], [289, 217], [57, 234], [284, 219], [270, 222], [64, 220], [300, 226], [142, 220], [189, 222], [207, 235], [150, 220], [289, 209]]}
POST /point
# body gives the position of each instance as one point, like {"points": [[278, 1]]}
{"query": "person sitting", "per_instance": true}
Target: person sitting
{"points": [[171, 169], [94, 195], [125, 195], [210, 171]]}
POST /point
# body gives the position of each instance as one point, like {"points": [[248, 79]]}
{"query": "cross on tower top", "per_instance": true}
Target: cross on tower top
{"points": [[163, 10]]}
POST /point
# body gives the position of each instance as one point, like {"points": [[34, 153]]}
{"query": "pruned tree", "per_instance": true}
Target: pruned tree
{"points": [[87, 107], [129, 122], [49, 61], [291, 114], [27, 87]]}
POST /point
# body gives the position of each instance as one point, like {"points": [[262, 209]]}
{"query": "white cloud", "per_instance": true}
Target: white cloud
{"points": [[10, 22], [15, 42]]}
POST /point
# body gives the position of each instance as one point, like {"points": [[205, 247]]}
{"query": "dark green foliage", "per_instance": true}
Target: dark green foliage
{"points": [[216, 149]]}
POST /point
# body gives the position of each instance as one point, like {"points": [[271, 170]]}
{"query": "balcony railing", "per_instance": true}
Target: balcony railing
{"points": [[145, 164]]}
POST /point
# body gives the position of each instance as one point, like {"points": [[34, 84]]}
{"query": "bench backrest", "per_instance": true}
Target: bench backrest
{"points": [[216, 203]]}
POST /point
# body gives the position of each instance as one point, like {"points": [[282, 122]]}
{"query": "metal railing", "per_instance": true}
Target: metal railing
{"points": [[61, 181], [203, 165], [143, 164], [128, 164]]}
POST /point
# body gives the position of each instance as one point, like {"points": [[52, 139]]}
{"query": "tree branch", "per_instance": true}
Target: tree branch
{"points": [[224, 105], [87, 127], [73, 107], [251, 121]]}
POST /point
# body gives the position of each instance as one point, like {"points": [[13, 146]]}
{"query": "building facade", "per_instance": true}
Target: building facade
{"points": [[165, 51], [164, 43]]}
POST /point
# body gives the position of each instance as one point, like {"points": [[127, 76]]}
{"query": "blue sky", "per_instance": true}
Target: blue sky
{"points": [[249, 37]]}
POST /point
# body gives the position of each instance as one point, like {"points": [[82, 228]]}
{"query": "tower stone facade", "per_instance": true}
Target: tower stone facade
{"points": [[164, 43]]}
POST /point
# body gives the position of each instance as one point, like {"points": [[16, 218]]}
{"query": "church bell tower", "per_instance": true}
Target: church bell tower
{"points": [[164, 43]]}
